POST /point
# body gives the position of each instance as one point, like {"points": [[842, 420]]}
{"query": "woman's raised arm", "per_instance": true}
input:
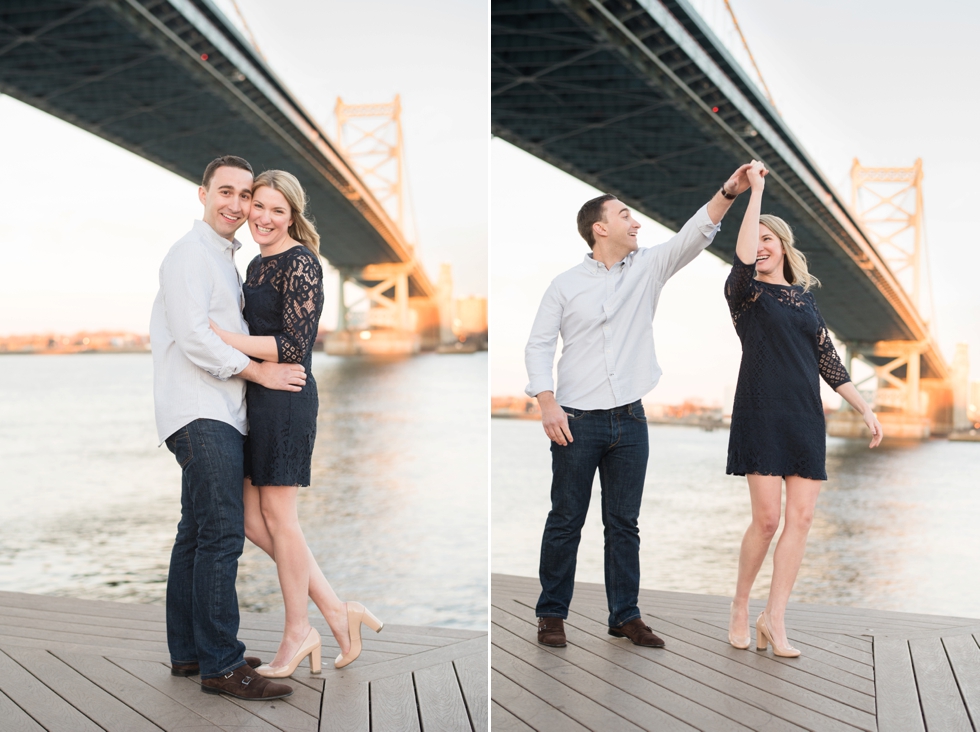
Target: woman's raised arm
{"points": [[748, 233]]}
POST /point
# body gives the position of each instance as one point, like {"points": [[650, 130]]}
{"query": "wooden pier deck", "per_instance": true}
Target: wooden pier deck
{"points": [[860, 669], [78, 665]]}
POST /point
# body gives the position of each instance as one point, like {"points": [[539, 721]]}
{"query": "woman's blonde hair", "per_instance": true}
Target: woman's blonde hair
{"points": [[794, 263], [302, 229]]}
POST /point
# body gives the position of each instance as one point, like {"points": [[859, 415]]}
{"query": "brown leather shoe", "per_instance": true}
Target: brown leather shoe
{"points": [[638, 632], [244, 683], [551, 632], [193, 669]]}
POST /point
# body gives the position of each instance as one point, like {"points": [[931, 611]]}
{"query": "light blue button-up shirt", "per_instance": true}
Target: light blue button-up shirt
{"points": [[605, 319], [192, 366]]}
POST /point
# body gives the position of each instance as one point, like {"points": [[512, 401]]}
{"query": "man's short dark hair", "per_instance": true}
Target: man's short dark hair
{"points": [[225, 161], [590, 213]]}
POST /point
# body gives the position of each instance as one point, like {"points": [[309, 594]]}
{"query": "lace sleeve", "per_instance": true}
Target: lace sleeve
{"points": [[739, 291], [301, 305], [831, 368]]}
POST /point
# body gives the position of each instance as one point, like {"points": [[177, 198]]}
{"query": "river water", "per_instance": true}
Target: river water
{"points": [[396, 513], [896, 528]]}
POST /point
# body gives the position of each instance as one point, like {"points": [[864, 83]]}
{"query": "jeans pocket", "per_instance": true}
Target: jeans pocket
{"points": [[638, 414], [574, 414], [179, 443]]}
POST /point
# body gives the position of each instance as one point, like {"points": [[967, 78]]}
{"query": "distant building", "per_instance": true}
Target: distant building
{"points": [[83, 342]]}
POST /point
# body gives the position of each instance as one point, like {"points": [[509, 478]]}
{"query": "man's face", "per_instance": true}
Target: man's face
{"points": [[227, 200], [619, 225]]}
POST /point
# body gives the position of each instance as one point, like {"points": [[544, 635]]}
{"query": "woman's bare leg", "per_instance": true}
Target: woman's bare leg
{"points": [[801, 500], [333, 609], [766, 493]]}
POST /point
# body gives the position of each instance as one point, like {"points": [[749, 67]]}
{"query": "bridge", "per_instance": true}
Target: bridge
{"points": [[174, 82], [639, 98]]}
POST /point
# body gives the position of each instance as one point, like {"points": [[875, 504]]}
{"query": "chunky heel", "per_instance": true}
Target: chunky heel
{"points": [[764, 637], [310, 647], [315, 660], [372, 622], [761, 634], [356, 614]]}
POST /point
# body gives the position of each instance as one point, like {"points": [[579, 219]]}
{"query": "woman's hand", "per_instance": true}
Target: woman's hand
{"points": [[756, 174], [875, 426], [222, 334]]}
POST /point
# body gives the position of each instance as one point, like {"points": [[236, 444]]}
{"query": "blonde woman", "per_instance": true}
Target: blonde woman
{"points": [[778, 430], [283, 292]]}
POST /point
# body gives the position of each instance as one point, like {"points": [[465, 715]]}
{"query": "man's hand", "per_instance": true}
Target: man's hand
{"points": [[276, 376], [755, 174], [738, 182], [553, 419]]}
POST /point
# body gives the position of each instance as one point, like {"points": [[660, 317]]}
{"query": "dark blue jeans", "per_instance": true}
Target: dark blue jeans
{"points": [[615, 442], [202, 605]]}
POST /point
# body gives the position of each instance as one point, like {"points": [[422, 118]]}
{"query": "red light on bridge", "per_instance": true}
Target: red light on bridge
{"points": [[204, 57], [714, 109]]}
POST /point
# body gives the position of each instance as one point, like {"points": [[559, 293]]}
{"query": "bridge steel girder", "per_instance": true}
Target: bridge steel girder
{"points": [[174, 82], [621, 94]]}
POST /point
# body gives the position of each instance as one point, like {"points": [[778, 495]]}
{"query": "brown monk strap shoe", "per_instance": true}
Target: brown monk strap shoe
{"points": [[638, 632], [244, 683], [551, 632], [193, 669]]}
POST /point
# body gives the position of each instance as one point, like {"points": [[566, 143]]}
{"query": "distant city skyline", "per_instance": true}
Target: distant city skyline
{"points": [[851, 80], [91, 222]]}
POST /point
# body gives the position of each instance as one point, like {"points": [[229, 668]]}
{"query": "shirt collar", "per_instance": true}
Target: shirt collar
{"points": [[596, 266], [210, 235]]}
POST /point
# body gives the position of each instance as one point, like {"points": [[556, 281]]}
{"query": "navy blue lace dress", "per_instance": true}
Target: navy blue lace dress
{"points": [[283, 299], [778, 425]]}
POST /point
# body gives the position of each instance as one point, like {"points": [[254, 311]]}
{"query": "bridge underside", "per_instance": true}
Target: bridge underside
{"points": [[638, 99], [171, 81]]}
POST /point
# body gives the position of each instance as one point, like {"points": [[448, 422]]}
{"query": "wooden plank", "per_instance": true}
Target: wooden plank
{"points": [[561, 697], [101, 608], [8, 641], [407, 664], [345, 707], [219, 710], [939, 696], [503, 721], [140, 696], [658, 677], [964, 657], [634, 699], [473, 677], [14, 718], [528, 708], [793, 703], [440, 700], [110, 713], [38, 701], [895, 690], [393, 705]]}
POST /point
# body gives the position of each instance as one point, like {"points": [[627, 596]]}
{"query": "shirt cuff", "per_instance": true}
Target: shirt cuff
{"points": [[705, 224], [239, 363], [536, 386]]}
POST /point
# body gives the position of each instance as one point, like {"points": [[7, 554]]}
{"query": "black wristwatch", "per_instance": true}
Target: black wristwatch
{"points": [[725, 193]]}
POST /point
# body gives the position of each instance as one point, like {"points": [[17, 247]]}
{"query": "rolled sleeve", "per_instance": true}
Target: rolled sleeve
{"points": [[187, 291], [681, 249], [539, 354]]}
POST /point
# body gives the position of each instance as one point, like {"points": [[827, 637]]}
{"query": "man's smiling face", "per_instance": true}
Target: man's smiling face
{"points": [[227, 200], [620, 226]]}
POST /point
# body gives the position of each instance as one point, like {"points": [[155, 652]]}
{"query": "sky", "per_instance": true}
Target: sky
{"points": [[88, 223], [886, 82]]}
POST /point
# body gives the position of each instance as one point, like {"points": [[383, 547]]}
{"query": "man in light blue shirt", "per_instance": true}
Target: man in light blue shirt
{"points": [[199, 399], [603, 309]]}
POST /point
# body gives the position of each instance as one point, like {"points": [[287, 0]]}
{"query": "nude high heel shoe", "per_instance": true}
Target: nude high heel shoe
{"points": [[310, 647], [357, 614], [762, 635], [743, 642]]}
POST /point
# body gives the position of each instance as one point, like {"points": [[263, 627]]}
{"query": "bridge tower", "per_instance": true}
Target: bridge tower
{"points": [[370, 137], [888, 205]]}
